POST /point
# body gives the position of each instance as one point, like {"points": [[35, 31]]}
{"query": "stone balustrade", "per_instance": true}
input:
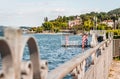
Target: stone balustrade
{"points": [[12, 49]]}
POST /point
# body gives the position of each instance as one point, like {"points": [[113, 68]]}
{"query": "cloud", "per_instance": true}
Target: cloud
{"points": [[59, 10], [90, 10]]}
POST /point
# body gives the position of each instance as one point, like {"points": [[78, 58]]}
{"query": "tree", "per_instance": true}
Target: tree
{"points": [[56, 29], [56, 24], [39, 30], [103, 16], [71, 17], [33, 29], [88, 25], [115, 11], [65, 19], [63, 25], [77, 27], [102, 27], [59, 19], [48, 26]]}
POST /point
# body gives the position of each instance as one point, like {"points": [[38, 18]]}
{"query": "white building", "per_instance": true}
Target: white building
{"points": [[76, 21], [110, 23]]}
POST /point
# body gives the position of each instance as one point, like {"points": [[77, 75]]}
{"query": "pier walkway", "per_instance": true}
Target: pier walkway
{"points": [[114, 72]]}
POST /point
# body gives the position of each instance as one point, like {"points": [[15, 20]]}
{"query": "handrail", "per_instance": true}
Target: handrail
{"points": [[66, 68]]}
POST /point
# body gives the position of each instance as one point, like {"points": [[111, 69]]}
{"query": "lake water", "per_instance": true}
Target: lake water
{"points": [[52, 51]]}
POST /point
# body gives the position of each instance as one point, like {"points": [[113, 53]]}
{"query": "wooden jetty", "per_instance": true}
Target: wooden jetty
{"points": [[67, 43], [71, 45]]}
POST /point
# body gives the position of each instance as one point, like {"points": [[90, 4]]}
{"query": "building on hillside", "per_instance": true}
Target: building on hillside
{"points": [[110, 23], [76, 21]]}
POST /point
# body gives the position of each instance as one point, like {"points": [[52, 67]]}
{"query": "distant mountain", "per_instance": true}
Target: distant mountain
{"points": [[25, 27], [115, 11]]}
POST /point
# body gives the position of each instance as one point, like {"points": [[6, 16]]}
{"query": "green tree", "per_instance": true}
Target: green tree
{"points": [[59, 19], [65, 19], [56, 29], [33, 29], [63, 25], [88, 25], [39, 30], [48, 26], [56, 24], [102, 27]]}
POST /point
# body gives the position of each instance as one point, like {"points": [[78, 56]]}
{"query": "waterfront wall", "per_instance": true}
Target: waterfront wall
{"points": [[100, 68], [116, 47]]}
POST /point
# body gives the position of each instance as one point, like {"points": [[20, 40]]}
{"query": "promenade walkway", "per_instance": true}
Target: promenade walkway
{"points": [[114, 70]]}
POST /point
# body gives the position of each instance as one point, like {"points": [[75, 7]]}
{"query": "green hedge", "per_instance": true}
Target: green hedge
{"points": [[116, 37], [116, 33]]}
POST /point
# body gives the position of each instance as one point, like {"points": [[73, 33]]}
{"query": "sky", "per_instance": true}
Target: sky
{"points": [[32, 12]]}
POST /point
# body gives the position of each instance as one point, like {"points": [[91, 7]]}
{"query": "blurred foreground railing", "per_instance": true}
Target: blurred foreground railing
{"points": [[11, 51]]}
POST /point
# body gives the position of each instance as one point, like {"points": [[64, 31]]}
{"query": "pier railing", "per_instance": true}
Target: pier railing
{"points": [[70, 43], [92, 64]]}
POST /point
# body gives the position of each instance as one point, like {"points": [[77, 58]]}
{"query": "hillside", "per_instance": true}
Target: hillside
{"points": [[115, 11]]}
